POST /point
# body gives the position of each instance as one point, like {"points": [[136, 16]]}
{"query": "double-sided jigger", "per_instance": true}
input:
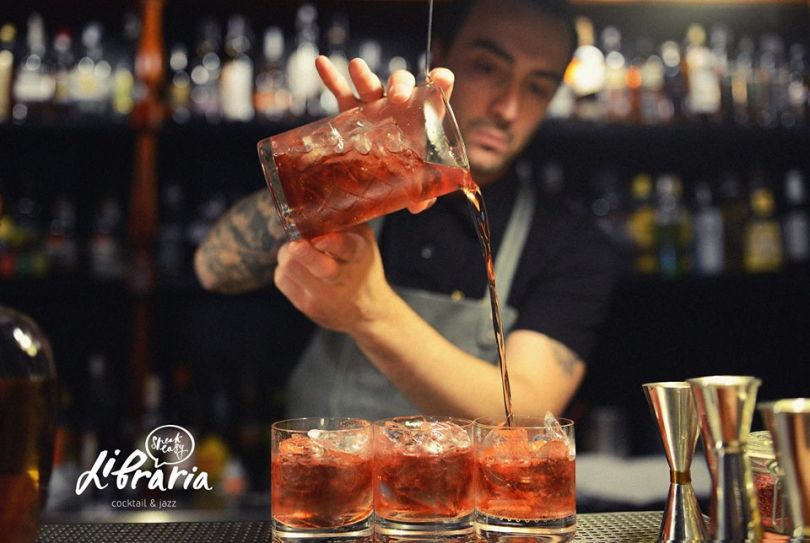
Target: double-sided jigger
{"points": [[725, 406], [673, 407], [788, 421]]}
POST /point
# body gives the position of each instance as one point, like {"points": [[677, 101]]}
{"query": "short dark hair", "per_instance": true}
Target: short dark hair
{"points": [[450, 16]]}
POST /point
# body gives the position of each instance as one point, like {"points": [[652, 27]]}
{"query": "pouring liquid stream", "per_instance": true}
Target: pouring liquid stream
{"points": [[481, 222], [429, 32], [479, 213]]}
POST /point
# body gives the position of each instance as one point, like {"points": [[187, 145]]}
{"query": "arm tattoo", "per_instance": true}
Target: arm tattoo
{"points": [[239, 253], [565, 357]]}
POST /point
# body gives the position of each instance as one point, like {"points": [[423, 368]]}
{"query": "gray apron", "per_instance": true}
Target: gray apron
{"points": [[334, 378]]}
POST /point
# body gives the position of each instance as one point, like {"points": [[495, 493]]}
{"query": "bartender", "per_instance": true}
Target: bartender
{"points": [[402, 309]]}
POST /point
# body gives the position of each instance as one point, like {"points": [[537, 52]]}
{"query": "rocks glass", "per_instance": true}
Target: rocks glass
{"points": [[526, 484], [423, 477], [321, 478]]}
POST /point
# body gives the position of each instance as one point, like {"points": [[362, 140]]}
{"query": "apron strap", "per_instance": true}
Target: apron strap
{"points": [[514, 239], [517, 230]]}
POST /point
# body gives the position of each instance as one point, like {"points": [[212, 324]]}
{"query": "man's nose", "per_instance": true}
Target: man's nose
{"points": [[507, 103]]}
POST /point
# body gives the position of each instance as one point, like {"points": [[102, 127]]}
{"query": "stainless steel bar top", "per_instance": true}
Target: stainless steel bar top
{"points": [[627, 527]]}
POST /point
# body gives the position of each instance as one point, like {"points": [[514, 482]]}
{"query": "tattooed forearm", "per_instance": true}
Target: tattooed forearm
{"points": [[566, 358], [239, 253]]}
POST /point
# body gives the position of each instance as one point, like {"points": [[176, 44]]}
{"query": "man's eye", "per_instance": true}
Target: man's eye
{"points": [[539, 91], [484, 67]]}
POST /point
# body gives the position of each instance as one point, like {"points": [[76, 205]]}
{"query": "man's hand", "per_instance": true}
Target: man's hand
{"points": [[398, 89], [336, 280]]}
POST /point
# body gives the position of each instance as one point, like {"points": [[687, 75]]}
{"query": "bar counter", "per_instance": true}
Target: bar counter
{"points": [[627, 527]]}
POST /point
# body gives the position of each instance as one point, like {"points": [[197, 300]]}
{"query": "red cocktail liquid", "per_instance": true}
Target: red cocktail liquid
{"points": [[520, 486], [329, 490], [422, 487], [342, 190]]}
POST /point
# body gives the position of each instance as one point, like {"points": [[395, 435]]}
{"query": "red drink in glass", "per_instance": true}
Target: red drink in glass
{"points": [[525, 478], [343, 190], [423, 475], [540, 486], [365, 162], [321, 481]]}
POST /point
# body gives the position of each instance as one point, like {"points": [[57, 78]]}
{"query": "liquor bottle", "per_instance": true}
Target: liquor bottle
{"points": [[584, 79], [236, 81], [272, 97], [34, 84], [8, 33], [766, 76], [616, 95], [655, 107], [305, 85], [674, 79], [641, 225], [105, 246], [734, 210], [796, 221], [635, 80], [336, 36], [63, 51], [703, 96], [719, 40], [671, 227], [31, 260], [763, 234], [122, 84], [205, 73], [61, 245], [780, 102], [91, 79], [797, 91], [180, 85], [709, 244], [742, 82]]}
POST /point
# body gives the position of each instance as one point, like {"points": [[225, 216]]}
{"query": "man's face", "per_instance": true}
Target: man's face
{"points": [[507, 58]]}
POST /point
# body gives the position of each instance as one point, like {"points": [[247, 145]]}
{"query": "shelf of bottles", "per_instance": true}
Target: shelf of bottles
{"points": [[243, 83]]}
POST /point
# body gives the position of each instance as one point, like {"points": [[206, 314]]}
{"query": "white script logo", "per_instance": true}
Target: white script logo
{"points": [[167, 446]]}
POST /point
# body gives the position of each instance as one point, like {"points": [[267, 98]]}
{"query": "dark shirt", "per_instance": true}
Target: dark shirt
{"points": [[563, 280]]}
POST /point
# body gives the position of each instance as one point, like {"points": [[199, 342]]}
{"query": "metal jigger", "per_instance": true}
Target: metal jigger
{"points": [[789, 424], [673, 407], [725, 406]]}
